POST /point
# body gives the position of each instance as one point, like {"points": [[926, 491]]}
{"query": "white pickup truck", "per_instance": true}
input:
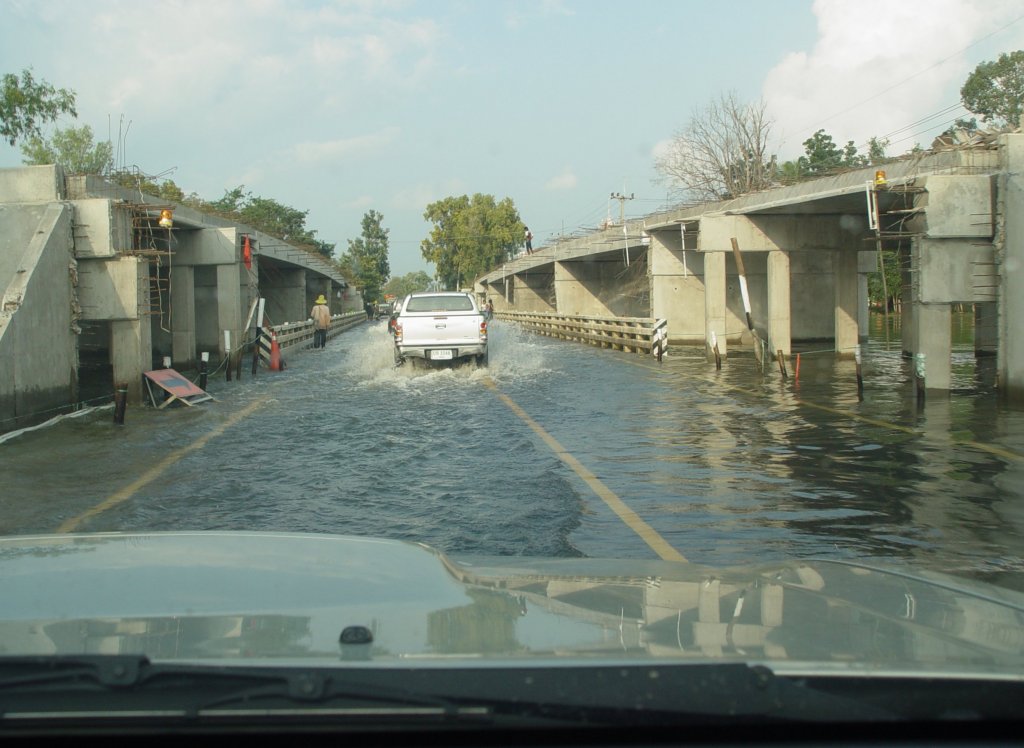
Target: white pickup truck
{"points": [[440, 328]]}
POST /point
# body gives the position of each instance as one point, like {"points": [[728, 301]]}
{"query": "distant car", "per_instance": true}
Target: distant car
{"points": [[442, 328]]}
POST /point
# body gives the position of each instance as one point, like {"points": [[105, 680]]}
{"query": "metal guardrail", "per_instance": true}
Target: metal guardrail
{"points": [[292, 334], [630, 334]]}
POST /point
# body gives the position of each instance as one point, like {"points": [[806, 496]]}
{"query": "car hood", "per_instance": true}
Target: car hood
{"points": [[288, 597]]}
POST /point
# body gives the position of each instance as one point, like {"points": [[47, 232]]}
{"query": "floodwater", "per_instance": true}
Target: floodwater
{"points": [[732, 467]]}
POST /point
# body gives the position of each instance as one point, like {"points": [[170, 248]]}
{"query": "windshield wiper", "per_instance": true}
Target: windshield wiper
{"points": [[133, 688], [127, 686]]}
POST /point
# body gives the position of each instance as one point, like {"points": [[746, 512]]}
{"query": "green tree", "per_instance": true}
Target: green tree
{"points": [[966, 125], [26, 104], [823, 156], [893, 281], [995, 90], [367, 257], [407, 284], [73, 148], [271, 217], [470, 236]]}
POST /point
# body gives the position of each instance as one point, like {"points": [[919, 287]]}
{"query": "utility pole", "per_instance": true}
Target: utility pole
{"points": [[622, 204]]}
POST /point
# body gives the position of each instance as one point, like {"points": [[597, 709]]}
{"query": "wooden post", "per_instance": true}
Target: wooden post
{"points": [[738, 256], [782, 363], [120, 402], [796, 373], [204, 357]]}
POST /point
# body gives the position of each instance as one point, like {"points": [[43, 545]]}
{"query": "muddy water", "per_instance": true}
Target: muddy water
{"points": [[730, 467]]}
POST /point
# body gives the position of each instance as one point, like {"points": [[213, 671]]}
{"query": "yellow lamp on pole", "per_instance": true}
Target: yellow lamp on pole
{"points": [[166, 218], [880, 178]]}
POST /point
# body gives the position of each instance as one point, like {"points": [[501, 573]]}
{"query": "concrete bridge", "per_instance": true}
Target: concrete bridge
{"points": [[957, 217], [96, 291]]}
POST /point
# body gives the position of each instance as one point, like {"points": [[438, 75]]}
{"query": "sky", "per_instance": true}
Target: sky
{"points": [[342, 107]]}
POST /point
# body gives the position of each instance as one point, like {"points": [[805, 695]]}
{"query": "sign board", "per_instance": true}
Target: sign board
{"points": [[176, 385]]}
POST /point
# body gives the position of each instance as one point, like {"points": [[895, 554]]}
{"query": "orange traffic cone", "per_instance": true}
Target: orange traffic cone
{"points": [[275, 353]]}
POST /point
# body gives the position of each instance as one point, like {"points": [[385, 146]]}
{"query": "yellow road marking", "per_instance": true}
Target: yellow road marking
{"points": [[1007, 454], [647, 533], [157, 470]]}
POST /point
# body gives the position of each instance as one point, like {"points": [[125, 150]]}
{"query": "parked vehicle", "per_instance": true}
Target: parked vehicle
{"points": [[440, 328]]}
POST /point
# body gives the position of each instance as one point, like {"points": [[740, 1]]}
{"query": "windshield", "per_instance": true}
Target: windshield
{"points": [[446, 363], [439, 304]]}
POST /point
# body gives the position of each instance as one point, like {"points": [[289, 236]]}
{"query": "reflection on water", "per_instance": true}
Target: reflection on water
{"points": [[731, 467]]}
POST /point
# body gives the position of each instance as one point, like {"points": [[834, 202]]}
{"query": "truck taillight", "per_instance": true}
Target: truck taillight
{"points": [[398, 332], [483, 330]]}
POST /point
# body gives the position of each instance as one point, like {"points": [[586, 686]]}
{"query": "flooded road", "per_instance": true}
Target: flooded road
{"points": [[730, 467]]}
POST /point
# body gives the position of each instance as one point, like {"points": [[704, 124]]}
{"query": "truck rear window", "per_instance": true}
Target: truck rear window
{"points": [[439, 304]]}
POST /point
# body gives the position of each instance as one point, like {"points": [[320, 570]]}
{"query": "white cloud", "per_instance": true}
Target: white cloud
{"points": [[567, 180], [878, 67], [418, 197], [338, 150], [363, 201]]}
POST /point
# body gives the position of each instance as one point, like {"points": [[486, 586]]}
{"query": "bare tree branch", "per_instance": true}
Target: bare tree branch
{"points": [[722, 152]]}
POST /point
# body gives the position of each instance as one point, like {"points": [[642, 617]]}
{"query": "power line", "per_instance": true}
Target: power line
{"points": [[918, 73]]}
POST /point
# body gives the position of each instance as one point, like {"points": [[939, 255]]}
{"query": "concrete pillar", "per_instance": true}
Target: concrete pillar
{"points": [[131, 353], [779, 329], [1010, 205], [933, 339], [677, 292], [532, 291], [229, 302], [287, 297], [867, 263], [986, 328], [183, 316], [908, 330], [572, 296], [846, 329], [715, 305]]}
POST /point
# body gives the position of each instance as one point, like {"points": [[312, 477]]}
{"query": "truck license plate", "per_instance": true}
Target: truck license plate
{"points": [[444, 354]]}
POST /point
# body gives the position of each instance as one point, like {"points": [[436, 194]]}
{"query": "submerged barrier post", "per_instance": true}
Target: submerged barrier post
{"points": [[238, 366], [227, 354], [860, 378], [120, 402], [919, 369], [782, 363], [257, 344], [204, 357], [714, 349], [796, 372]]}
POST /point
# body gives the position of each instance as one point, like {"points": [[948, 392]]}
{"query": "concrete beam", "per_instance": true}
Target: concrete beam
{"points": [[954, 206], [32, 184], [776, 232], [111, 289]]}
